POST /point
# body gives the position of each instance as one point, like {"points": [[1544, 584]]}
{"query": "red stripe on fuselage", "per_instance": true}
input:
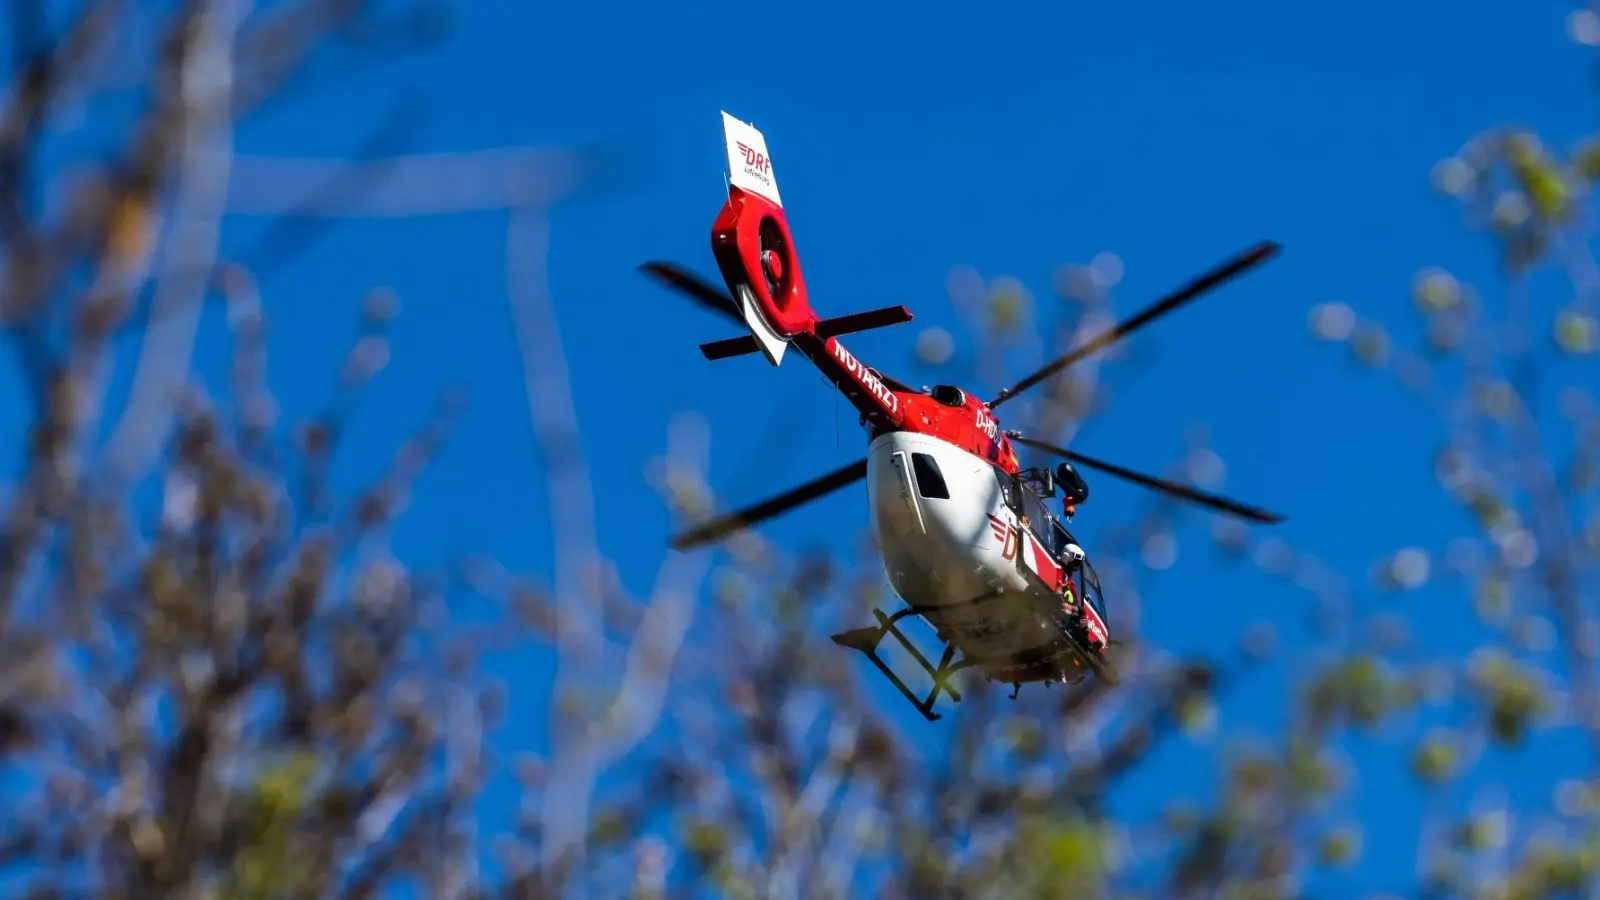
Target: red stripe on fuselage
{"points": [[1046, 567]]}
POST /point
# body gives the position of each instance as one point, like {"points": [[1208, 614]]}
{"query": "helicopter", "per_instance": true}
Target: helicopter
{"points": [[966, 539]]}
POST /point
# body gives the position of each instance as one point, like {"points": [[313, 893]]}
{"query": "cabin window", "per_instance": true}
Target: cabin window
{"points": [[930, 481], [1039, 519], [1004, 480]]}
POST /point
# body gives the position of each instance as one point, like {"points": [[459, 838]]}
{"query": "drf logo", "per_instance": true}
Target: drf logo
{"points": [[987, 424], [755, 161]]}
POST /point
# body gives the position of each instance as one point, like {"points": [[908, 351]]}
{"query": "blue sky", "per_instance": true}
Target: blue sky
{"points": [[911, 138]]}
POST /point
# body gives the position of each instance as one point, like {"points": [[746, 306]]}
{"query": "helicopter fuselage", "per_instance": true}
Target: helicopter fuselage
{"points": [[965, 562], [954, 547]]}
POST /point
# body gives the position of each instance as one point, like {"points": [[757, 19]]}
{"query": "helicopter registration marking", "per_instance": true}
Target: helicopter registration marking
{"points": [[987, 424], [866, 379]]}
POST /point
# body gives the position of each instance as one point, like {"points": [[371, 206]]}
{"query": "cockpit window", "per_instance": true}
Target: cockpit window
{"points": [[1007, 490], [930, 481]]}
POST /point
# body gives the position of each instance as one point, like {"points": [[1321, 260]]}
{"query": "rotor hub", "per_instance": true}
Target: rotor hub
{"points": [[772, 263]]}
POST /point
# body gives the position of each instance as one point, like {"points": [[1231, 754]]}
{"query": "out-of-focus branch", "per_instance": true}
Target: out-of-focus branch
{"points": [[205, 91], [584, 745], [272, 49], [641, 694], [41, 73], [292, 234], [432, 184], [577, 559]]}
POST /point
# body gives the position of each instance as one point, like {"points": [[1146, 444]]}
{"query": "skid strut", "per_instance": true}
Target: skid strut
{"points": [[867, 639]]}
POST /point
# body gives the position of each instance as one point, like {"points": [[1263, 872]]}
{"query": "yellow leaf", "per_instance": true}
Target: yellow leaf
{"points": [[129, 226]]}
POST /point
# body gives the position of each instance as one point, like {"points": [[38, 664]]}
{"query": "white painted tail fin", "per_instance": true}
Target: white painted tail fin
{"points": [[749, 166]]}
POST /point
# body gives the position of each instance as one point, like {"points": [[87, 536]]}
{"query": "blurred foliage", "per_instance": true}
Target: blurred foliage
{"points": [[265, 862], [219, 683]]}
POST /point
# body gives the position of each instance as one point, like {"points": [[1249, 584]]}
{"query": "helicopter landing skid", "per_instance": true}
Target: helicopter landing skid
{"points": [[867, 639]]}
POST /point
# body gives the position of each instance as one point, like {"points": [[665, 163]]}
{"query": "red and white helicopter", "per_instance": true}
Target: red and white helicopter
{"points": [[966, 538]]}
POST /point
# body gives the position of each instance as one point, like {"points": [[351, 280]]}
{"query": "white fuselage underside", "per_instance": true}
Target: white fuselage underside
{"points": [[943, 553]]}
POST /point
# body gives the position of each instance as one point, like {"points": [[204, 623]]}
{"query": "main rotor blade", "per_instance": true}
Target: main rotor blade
{"points": [[695, 288], [1166, 487], [1248, 259], [737, 521]]}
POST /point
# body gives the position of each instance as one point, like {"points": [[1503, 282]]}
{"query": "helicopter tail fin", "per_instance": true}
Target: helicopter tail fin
{"points": [[754, 249]]}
